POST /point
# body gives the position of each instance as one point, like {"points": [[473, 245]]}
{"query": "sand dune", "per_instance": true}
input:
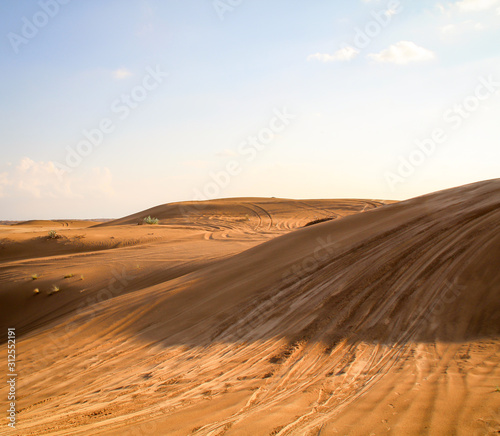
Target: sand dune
{"points": [[55, 224], [268, 212], [188, 239], [231, 317]]}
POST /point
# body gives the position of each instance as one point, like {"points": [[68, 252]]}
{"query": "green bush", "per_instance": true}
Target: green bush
{"points": [[53, 234], [54, 290], [151, 220]]}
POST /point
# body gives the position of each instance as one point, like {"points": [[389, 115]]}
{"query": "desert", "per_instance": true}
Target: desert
{"points": [[237, 318], [249, 218]]}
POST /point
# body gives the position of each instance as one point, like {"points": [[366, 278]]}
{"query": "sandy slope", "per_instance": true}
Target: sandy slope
{"points": [[124, 256], [384, 322]]}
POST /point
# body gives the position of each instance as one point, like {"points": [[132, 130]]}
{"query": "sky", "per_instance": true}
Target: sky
{"points": [[109, 107]]}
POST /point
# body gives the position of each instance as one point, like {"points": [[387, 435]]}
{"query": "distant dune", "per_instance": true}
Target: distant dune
{"points": [[230, 317], [285, 213], [55, 223]]}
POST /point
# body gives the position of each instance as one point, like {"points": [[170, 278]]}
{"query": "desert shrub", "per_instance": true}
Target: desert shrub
{"points": [[53, 234], [151, 220], [54, 290]]}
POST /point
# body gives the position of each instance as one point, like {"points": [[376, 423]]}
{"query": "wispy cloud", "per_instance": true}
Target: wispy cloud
{"points": [[391, 11], [30, 179], [464, 26], [226, 153], [476, 5], [197, 163], [121, 73], [403, 52], [344, 54], [5, 183]]}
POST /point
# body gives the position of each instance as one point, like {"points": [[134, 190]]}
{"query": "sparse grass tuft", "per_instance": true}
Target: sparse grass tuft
{"points": [[34, 277], [151, 220], [36, 291], [497, 389], [81, 277], [53, 234], [54, 289], [68, 276]]}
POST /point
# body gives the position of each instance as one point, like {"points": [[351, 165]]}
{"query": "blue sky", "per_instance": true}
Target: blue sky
{"points": [[361, 82]]}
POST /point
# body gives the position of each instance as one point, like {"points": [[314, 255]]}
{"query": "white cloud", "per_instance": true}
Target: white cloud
{"points": [[344, 54], [441, 8], [30, 179], [475, 5], [226, 153], [121, 73], [4, 183], [197, 163], [403, 52], [449, 28], [461, 27], [391, 11]]}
